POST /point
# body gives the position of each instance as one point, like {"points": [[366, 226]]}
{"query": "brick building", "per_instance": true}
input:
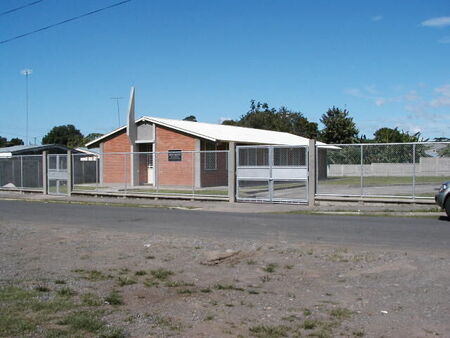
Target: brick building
{"points": [[176, 153]]}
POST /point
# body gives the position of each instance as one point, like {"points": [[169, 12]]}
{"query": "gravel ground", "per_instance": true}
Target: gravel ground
{"points": [[194, 287]]}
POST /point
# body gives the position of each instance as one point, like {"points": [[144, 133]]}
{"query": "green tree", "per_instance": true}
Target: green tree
{"points": [[389, 135], [191, 118], [339, 127], [91, 137], [12, 142], [261, 116], [66, 135]]}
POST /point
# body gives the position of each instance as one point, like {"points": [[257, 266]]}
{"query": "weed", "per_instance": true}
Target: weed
{"points": [[92, 275], [359, 333], [165, 322], [125, 280], [341, 313], [265, 278], [150, 257], [253, 292], [42, 288], [185, 291], [151, 283], [205, 290], [209, 317], [140, 273], [270, 267], [307, 312], [289, 266], [60, 281], [175, 284], [227, 287], [251, 262], [290, 318], [229, 305], [90, 299], [83, 320], [66, 292], [161, 274], [114, 298], [310, 324], [269, 331]]}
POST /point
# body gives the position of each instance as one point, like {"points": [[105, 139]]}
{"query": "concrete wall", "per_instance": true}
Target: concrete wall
{"points": [[427, 166]]}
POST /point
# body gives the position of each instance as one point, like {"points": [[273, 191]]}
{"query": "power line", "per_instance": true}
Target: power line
{"points": [[65, 21], [21, 7]]}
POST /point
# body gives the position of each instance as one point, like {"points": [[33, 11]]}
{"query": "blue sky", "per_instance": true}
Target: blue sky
{"points": [[387, 62]]}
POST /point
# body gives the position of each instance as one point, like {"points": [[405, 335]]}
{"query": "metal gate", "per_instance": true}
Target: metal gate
{"points": [[57, 174], [272, 174]]}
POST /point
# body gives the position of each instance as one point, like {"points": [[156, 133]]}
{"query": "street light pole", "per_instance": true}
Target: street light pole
{"points": [[26, 72]]}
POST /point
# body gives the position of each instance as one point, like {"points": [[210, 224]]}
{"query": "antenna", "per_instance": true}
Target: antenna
{"points": [[118, 108], [26, 72]]}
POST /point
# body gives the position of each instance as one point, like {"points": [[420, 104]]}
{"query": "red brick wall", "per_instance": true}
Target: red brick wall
{"points": [[114, 166], [174, 173], [219, 176]]}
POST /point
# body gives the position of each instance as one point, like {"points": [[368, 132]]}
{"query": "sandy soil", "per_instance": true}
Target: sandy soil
{"points": [[194, 287]]}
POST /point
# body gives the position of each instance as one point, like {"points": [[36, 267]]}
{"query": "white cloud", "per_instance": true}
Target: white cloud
{"points": [[443, 99], [376, 18], [444, 40], [437, 22]]}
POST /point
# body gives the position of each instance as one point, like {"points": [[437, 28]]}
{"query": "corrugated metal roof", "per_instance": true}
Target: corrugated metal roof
{"points": [[31, 148], [219, 132]]}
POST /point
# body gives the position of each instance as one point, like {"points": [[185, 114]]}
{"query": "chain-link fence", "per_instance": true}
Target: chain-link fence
{"points": [[21, 172], [177, 173], [406, 170]]}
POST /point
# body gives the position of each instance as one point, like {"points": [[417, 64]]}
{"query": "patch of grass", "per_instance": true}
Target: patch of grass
{"points": [[209, 317], [112, 332], [291, 318], [311, 324], [66, 292], [205, 290], [114, 298], [92, 275], [150, 257], [164, 322], [83, 321], [307, 312], [175, 284], [57, 333], [341, 313], [266, 331], [42, 288], [359, 333], [125, 280], [91, 299], [270, 267], [161, 274], [185, 291], [227, 287], [253, 292], [140, 273], [60, 281], [251, 262], [14, 324], [151, 283]]}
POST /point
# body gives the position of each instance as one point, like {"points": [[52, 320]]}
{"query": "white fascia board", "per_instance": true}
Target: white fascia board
{"points": [[5, 155], [105, 136], [170, 126]]}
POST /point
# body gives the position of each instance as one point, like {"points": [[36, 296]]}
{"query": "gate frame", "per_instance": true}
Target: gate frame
{"points": [[57, 174], [270, 180]]}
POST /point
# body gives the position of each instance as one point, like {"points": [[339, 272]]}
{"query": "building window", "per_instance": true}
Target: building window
{"points": [[210, 156], [174, 156]]}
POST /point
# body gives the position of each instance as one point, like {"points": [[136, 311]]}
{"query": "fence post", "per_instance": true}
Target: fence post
{"points": [[44, 173], [414, 171], [362, 173], [69, 173], [312, 174], [232, 172]]}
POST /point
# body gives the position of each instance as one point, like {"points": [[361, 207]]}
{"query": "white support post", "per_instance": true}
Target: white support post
{"points": [[312, 173], [69, 173], [44, 173], [232, 172]]}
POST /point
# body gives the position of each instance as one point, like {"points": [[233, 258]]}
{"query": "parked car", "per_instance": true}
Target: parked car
{"points": [[442, 198]]}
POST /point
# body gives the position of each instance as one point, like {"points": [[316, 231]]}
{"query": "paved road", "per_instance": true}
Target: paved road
{"points": [[391, 232]]}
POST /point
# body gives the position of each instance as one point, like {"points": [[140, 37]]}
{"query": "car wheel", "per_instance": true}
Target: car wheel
{"points": [[447, 207]]}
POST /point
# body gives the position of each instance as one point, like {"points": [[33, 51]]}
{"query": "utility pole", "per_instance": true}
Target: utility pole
{"points": [[26, 72], [118, 108]]}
